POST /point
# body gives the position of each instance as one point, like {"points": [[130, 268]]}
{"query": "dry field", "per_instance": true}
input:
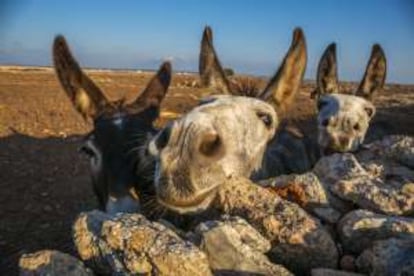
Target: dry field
{"points": [[44, 182]]}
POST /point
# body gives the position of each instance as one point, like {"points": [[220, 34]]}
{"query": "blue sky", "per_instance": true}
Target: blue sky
{"points": [[250, 36]]}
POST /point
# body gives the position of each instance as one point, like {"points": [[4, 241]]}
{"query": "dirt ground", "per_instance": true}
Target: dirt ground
{"points": [[44, 182]]}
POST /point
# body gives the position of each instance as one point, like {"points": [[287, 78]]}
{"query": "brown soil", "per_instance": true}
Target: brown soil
{"points": [[44, 182]]}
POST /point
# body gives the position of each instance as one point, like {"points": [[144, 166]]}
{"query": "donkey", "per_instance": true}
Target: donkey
{"points": [[289, 151], [120, 130], [224, 136], [343, 119], [292, 151]]}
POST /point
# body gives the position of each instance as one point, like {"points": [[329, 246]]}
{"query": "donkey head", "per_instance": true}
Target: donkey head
{"points": [[120, 130], [343, 119], [224, 136]]}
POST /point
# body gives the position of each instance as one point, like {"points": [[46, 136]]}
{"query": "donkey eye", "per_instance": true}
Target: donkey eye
{"points": [[357, 127], [163, 138], [325, 122], [266, 119], [88, 151], [321, 104]]}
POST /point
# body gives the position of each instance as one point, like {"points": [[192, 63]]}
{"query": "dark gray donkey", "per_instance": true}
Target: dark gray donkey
{"points": [[120, 169]]}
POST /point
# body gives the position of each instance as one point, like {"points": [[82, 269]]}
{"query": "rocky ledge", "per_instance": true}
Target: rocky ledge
{"points": [[353, 214]]}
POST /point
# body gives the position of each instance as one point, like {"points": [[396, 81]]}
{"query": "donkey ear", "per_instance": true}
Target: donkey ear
{"points": [[82, 91], [155, 91], [375, 73], [284, 85], [211, 72], [327, 75]]}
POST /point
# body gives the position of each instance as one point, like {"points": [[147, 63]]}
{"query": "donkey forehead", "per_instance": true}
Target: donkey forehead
{"points": [[335, 104], [227, 113], [230, 116], [120, 126], [223, 103]]}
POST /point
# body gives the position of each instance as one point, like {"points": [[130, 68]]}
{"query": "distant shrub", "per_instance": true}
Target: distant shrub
{"points": [[228, 72]]}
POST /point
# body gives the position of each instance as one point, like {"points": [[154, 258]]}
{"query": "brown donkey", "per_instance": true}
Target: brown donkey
{"points": [[120, 130]]}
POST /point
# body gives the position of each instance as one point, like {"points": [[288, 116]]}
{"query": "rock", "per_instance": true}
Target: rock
{"points": [[51, 262], [393, 157], [347, 263], [332, 272], [299, 241], [382, 187], [388, 257], [373, 194], [233, 245], [397, 147], [335, 167], [360, 228], [305, 190], [130, 244]]}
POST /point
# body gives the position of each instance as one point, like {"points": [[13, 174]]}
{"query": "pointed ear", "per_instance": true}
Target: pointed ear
{"points": [[375, 73], [155, 91], [327, 75], [211, 72], [81, 90], [283, 86]]}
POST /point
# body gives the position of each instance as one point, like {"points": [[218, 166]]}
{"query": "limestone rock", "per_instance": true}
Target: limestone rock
{"points": [[394, 198], [399, 148], [299, 241], [377, 184], [130, 244], [347, 263], [51, 262], [335, 167], [307, 191], [390, 159], [388, 257], [360, 228], [232, 245], [332, 272]]}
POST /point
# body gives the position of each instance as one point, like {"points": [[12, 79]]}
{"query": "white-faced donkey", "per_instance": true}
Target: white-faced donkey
{"points": [[224, 136], [120, 131], [289, 150], [343, 119]]}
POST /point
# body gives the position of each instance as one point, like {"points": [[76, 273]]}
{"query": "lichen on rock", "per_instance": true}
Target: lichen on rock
{"points": [[299, 241], [130, 244]]}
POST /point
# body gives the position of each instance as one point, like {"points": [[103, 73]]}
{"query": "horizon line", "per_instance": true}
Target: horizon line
{"points": [[88, 68]]}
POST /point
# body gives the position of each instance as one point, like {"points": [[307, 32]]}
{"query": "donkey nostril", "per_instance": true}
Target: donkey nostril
{"points": [[344, 141], [211, 145]]}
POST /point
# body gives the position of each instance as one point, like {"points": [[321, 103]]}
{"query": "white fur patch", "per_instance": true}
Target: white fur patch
{"points": [[96, 162], [118, 120]]}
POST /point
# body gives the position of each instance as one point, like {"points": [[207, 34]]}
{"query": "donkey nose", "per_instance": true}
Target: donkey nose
{"points": [[125, 204], [343, 141]]}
